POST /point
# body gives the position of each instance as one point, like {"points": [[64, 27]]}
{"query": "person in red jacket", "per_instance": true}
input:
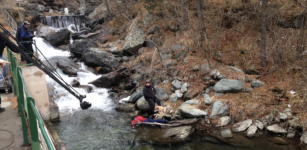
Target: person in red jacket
{"points": [[140, 119]]}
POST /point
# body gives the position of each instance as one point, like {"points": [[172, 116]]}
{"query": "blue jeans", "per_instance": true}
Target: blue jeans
{"points": [[5, 69], [157, 120]]}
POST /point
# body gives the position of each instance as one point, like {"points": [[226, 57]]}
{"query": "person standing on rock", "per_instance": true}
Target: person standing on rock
{"points": [[24, 37], [149, 93]]}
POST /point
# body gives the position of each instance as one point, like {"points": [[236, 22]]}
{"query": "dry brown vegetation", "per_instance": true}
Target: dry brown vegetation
{"points": [[233, 29]]}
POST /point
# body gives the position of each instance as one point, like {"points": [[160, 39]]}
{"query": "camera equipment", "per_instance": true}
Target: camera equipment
{"points": [[85, 105]]}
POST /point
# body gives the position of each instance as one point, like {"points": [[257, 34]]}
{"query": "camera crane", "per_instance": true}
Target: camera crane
{"points": [[49, 71]]}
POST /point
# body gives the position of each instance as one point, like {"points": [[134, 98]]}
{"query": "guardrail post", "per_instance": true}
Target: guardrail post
{"points": [[33, 125]]}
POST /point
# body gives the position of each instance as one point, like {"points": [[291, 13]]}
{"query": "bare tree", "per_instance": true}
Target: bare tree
{"points": [[185, 14], [200, 19], [263, 56]]}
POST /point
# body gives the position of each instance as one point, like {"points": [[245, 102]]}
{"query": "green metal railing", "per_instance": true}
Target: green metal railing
{"points": [[30, 116]]}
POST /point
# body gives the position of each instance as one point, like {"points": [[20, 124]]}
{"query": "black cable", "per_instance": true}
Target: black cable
{"points": [[12, 140]]}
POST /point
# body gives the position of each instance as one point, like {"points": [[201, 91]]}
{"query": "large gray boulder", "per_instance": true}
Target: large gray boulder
{"points": [[242, 126], [275, 128], [228, 85], [111, 79], [97, 57], [134, 40], [43, 31], [79, 46], [219, 109], [188, 111], [135, 96], [142, 104], [68, 67], [60, 37]]}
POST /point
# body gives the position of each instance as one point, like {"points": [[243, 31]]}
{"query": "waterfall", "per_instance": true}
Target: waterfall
{"points": [[78, 21]]}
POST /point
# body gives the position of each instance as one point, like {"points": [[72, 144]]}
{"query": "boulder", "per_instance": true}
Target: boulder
{"points": [[259, 124], [142, 104], [275, 128], [176, 84], [111, 79], [219, 109], [226, 133], [205, 68], [178, 93], [68, 67], [43, 31], [184, 87], [228, 85], [58, 38], [190, 94], [163, 93], [135, 96], [223, 121], [251, 131], [188, 111], [99, 15], [79, 46], [97, 57], [242, 126], [173, 98], [134, 40]]}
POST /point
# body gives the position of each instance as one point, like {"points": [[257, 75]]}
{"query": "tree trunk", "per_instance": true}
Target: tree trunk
{"points": [[107, 5], [185, 14], [201, 19], [263, 56]]}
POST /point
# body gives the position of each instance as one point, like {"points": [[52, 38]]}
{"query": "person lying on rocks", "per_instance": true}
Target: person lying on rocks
{"points": [[140, 119]]}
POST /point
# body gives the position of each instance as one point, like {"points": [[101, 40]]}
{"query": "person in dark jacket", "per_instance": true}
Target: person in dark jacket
{"points": [[149, 93], [24, 37]]}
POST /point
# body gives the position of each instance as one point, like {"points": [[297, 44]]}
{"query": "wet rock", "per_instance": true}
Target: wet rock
{"points": [[276, 129], [226, 133], [176, 84], [58, 38], [228, 85], [125, 107], [173, 98], [97, 57], [142, 104], [87, 88], [43, 31], [242, 126], [251, 131], [223, 121], [135, 96], [219, 109], [79, 46], [75, 83], [110, 79], [134, 39], [257, 83], [188, 111], [278, 141], [259, 124], [68, 67]]}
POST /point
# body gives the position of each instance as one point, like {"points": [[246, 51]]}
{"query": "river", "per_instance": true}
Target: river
{"points": [[103, 128]]}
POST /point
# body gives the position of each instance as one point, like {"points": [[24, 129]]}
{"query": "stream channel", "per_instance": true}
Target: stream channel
{"points": [[103, 128]]}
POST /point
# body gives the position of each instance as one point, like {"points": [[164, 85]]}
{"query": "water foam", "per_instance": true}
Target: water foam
{"points": [[66, 101]]}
